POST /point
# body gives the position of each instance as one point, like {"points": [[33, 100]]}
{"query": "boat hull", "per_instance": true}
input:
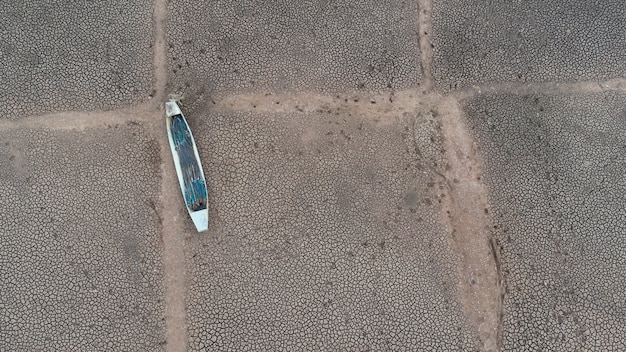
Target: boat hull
{"points": [[188, 166]]}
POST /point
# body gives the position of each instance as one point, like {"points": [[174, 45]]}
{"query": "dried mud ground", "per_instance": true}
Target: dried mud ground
{"points": [[414, 175]]}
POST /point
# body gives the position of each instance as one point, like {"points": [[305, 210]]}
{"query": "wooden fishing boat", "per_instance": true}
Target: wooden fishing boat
{"points": [[188, 166]]}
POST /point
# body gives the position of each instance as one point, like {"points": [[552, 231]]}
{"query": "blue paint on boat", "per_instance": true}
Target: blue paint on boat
{"points": [[195, 188]]}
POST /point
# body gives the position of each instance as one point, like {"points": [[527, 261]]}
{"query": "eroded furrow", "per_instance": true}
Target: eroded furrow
{"points": [[382, 105], [426, 49], [160, 51], [170, 201], [466, 212], [80, 120], [617, 84], [173, 254]]}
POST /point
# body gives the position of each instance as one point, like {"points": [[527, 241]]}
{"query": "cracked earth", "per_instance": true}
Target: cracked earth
{"points": [[348, 219]]}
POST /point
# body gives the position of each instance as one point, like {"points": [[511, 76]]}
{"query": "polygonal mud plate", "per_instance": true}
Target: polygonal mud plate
{"points": [[326, 235], [60, 56], [554, 169], [249, 46], [80, 246], [527, 41]]}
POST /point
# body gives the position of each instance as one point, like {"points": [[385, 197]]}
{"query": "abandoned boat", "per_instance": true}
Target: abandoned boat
{"points": [[188, 166]]}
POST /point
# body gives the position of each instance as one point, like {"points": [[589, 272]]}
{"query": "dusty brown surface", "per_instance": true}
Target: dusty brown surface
{"points": [[464, 207], [447, 179]]}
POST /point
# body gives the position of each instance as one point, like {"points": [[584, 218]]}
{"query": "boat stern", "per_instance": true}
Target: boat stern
{"points": [[200, 219]]}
